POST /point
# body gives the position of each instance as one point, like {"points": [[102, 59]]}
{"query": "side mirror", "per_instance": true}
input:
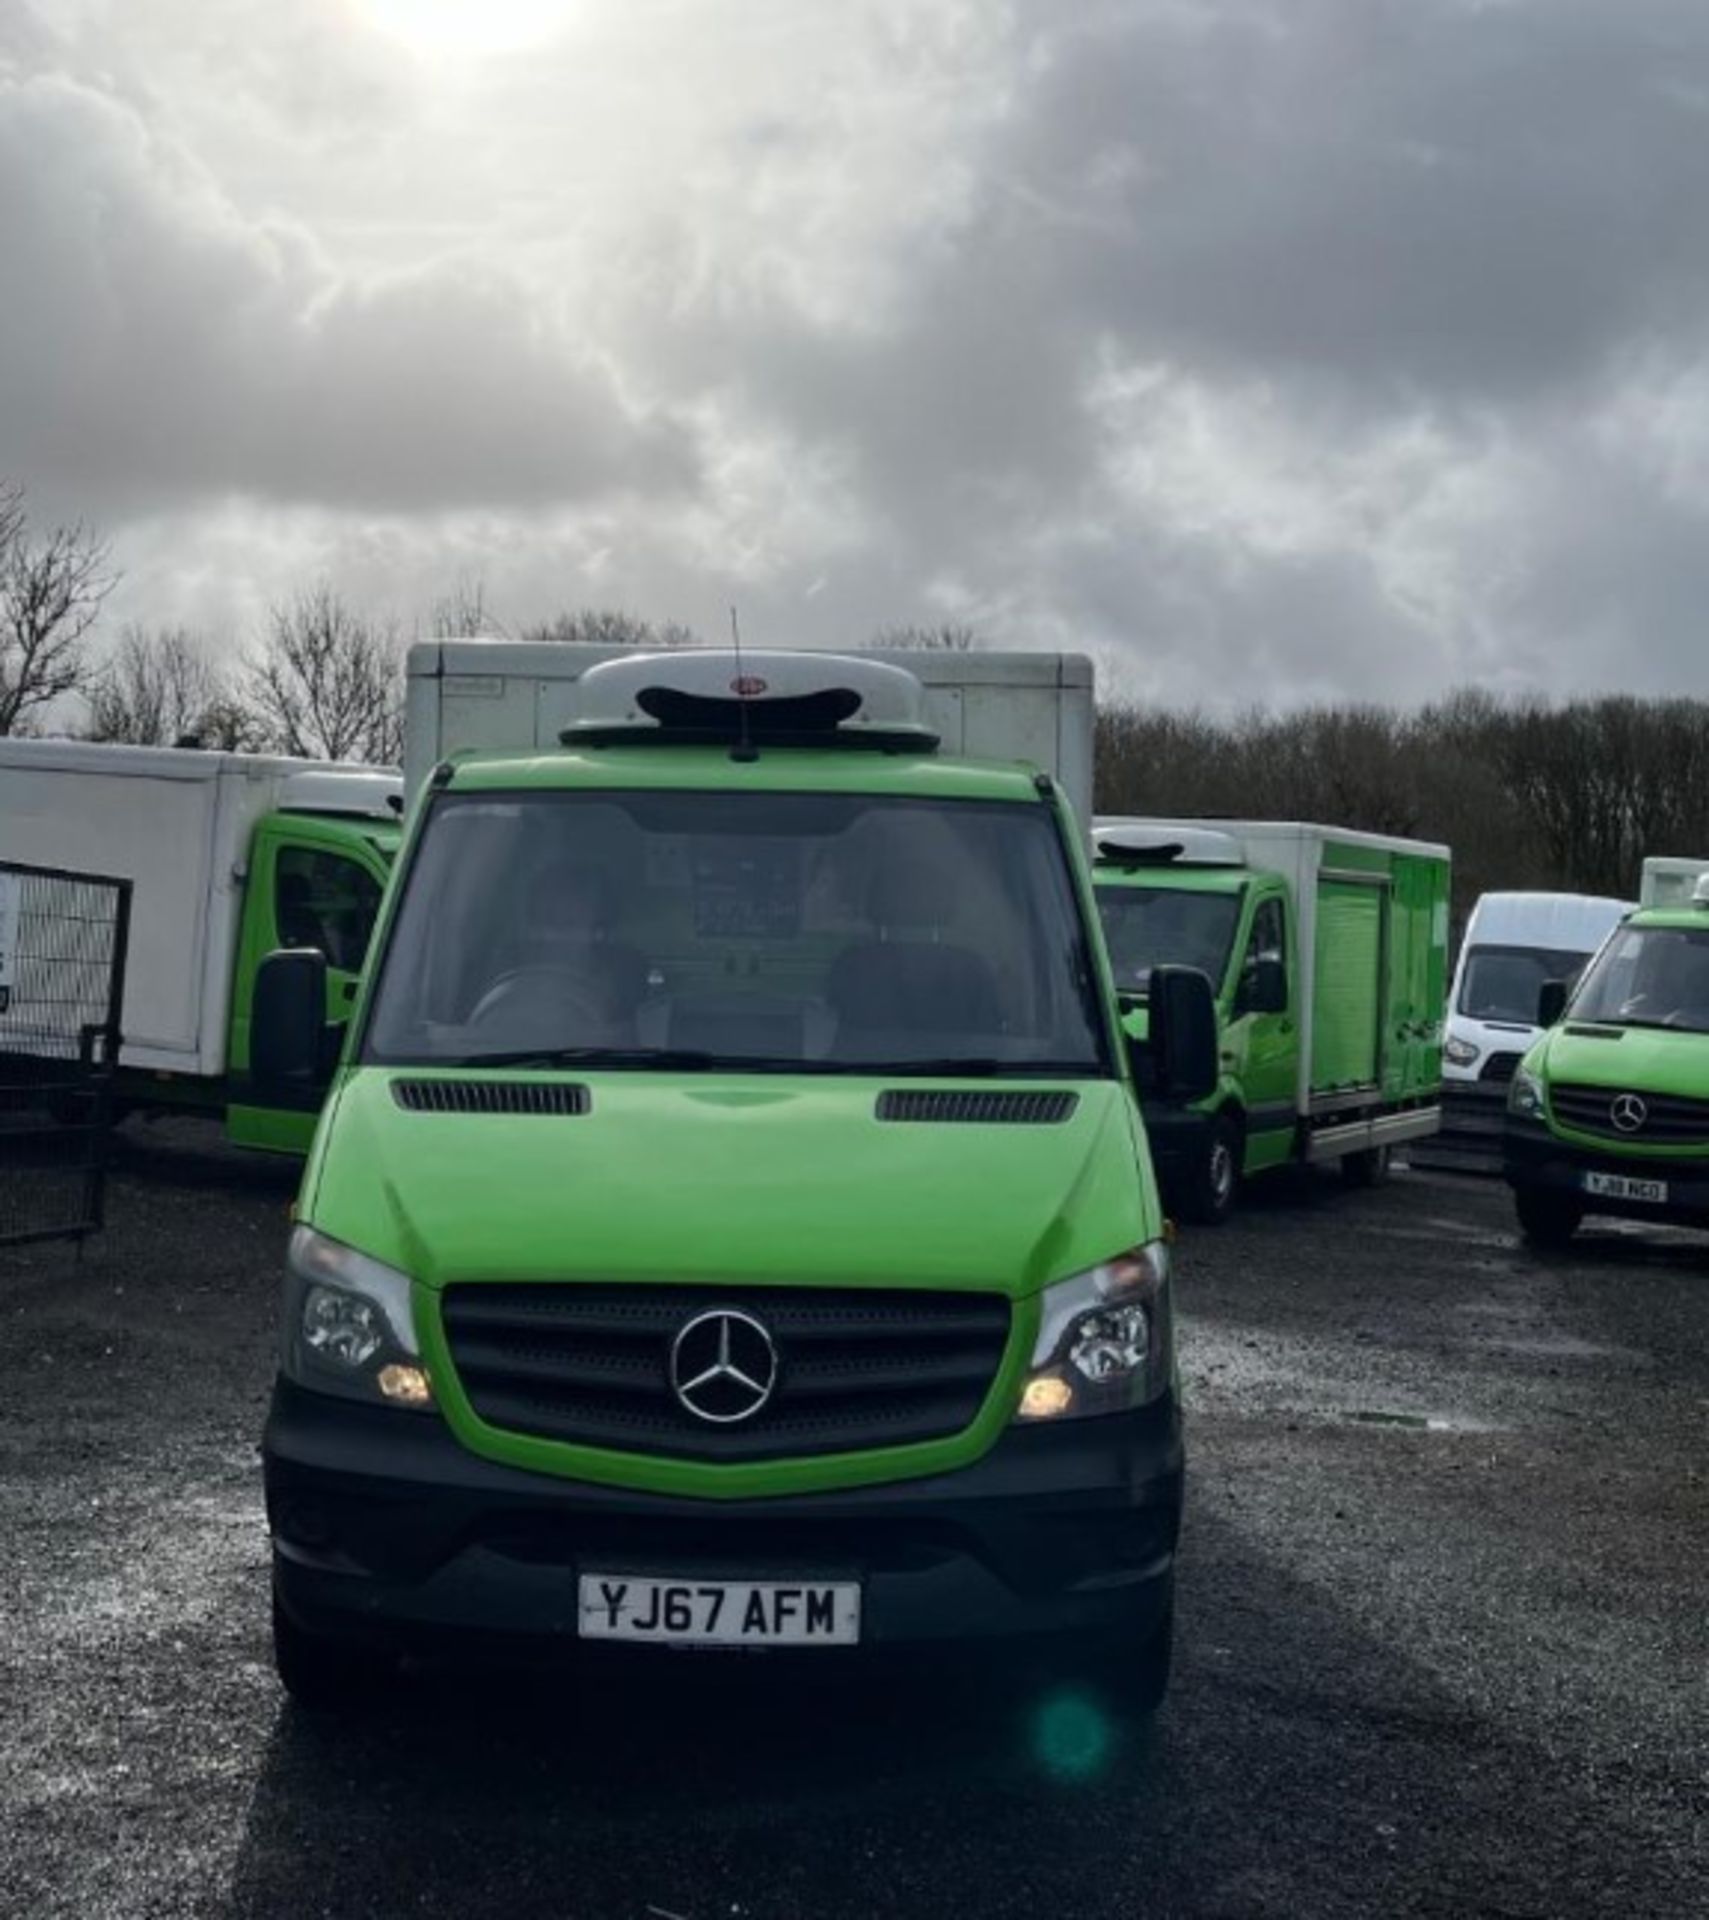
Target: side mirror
{"points": [[1551, 1002], [1185, 1047], [1265, 989], [286, 1035]]}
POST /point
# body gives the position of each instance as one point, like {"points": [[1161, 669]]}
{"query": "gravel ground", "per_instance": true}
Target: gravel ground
{"points": [[1444, 1609]]}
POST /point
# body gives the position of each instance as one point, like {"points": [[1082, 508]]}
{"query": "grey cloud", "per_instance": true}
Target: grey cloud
{"points": [[155, 344], [1458, 201], [1393, 266], [1465, 216]]}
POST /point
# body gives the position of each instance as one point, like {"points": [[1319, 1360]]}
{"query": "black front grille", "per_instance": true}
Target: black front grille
{"points": [[1667, 1120], [1499, 1067], [857, 1368], [949, 1105]]}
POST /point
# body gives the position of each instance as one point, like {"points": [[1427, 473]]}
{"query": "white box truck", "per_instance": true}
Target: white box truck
{"points": [[466, 695], [1327, 952], [230, 855]]}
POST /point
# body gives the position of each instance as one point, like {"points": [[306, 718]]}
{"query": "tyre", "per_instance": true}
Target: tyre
{"points": [[1206, 1193], [1367, 1169], [325, 1676], [1132, 1676], [1547, 1219]]}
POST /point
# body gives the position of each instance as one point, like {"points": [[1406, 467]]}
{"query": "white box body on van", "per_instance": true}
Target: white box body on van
{"points": [[1670, 882], [498, 695], [177, 824]]}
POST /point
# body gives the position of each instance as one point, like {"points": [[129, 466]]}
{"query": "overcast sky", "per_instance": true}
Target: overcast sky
{"points": [[1266, 349]]}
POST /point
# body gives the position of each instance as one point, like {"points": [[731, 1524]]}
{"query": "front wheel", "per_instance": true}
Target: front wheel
{"points": [[325, 1676], [1547, 1219], [1208, 1190], [1132, 1676]]}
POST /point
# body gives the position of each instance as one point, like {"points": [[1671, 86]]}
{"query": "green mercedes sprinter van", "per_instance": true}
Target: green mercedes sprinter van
{"points": [[1609, 1112], [731, 1223]]}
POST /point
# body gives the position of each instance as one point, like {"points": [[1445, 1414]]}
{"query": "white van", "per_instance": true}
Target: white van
{"points": [[1514, 944]]}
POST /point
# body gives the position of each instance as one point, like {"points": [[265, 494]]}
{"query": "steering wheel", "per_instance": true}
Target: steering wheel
{"points": [[572, 995]]}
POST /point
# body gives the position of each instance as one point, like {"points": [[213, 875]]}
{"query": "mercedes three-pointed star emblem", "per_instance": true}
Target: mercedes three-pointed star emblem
{"points": [[1628, 1112], [723, 1366]]}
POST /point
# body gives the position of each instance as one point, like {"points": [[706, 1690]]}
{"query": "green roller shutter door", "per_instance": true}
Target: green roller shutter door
{"points": [[1346, 1008]]}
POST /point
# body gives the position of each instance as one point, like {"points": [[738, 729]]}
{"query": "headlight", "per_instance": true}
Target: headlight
{"points": [[1461, 1053], [349, 1326], [1525, 1094], [1105, 1340]]}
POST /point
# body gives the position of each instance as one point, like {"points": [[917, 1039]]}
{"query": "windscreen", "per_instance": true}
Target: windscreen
{"points": [[781, 932], [1146, 927], [1502, 983], [1649, 977]]}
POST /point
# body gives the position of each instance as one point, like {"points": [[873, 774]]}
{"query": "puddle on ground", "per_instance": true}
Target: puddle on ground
{"points": [[1417, 1422]]}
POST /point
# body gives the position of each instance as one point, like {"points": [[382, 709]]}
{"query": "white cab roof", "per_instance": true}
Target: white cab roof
{"points": [[1565, 922]]}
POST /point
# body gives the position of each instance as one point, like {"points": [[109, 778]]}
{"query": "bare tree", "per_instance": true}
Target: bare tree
{"points": [[949, 636], [613, 627], [228, 726], [462, 612], [157, 689], [51, 590], [328, 682]]}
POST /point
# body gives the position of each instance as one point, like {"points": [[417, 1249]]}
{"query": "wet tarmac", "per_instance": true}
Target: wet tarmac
{"points": [[1444, 1634]]}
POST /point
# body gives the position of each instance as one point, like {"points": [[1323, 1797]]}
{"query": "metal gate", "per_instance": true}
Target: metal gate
{"points": [[62, 972]]}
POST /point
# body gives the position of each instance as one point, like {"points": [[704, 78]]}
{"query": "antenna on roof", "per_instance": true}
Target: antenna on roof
{"points": [[744, 750]]}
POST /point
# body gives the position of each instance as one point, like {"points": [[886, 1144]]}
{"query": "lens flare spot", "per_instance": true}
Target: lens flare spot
{"points": [[1072, 1736]]}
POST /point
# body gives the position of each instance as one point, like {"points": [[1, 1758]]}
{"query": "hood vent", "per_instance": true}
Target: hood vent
{"points": [[491, 1096], [942, 1104], [1597, 1033]]}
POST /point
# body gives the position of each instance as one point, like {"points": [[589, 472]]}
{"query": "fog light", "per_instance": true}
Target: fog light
{"points": [[304, 1522], [342, 1326], [1109, 1344], [1046, 1396], [406, 1385]]}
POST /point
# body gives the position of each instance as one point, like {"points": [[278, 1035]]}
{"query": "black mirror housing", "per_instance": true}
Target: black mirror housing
{"points": [[286, 1040], [1268, 991], [1185, 1045], [1551, 1002]]}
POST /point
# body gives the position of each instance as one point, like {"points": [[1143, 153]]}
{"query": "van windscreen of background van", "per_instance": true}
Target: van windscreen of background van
{"points": [[774, 931], [1649, 977], [1146, 927], [1503, 983]]}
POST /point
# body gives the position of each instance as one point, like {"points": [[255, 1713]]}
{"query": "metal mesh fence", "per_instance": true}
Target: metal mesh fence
{"points": [[62, 963]]}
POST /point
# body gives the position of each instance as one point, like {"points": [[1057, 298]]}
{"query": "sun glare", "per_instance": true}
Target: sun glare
{"points": [[468, 26]]}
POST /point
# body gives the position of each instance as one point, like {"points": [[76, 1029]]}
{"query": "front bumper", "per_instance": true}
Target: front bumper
{"points": [[385, 1528], [1536, 1158]]}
